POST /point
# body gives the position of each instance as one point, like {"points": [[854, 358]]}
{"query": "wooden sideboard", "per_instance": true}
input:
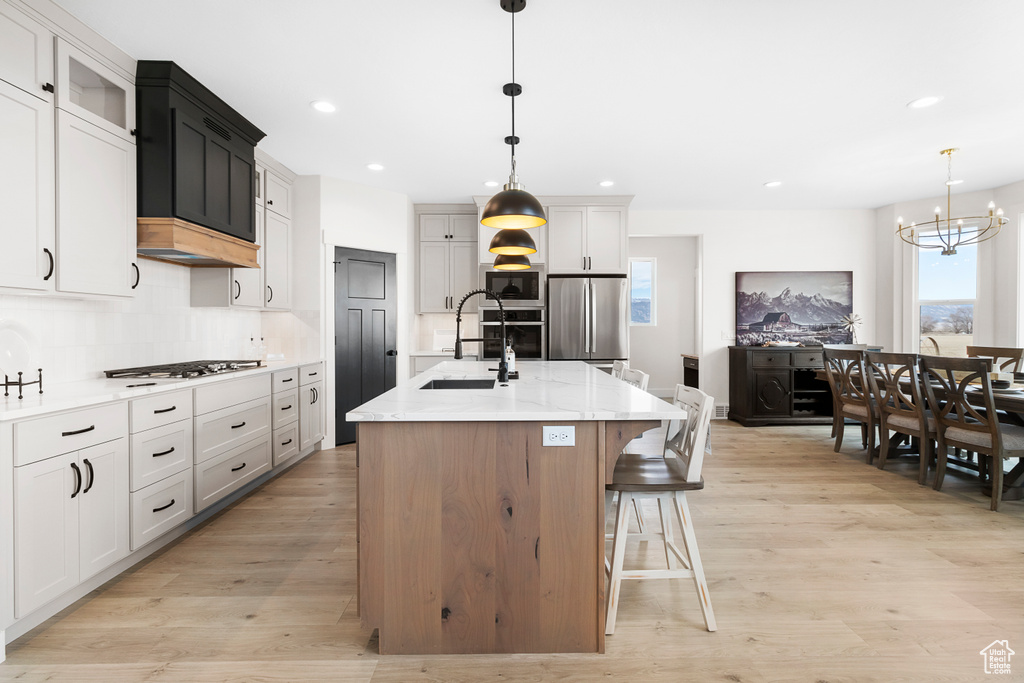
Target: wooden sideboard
{"points": [[777, 385]]}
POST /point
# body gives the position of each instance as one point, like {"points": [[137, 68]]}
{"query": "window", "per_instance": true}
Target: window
{"points": [[947, 288], [642, 291]]}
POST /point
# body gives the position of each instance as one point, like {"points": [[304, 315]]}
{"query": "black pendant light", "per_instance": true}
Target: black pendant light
{"points": [[512, 243], [506, 262], [513, 208]]}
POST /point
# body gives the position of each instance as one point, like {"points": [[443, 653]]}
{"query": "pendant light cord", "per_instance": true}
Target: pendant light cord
{"points": [[513, 92]]}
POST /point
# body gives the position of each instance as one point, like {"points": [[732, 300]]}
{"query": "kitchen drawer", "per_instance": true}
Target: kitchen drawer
{"points": [[159, 410], [691, 363], [286, 379], [160, 507], [229, 471], [160, 452], [770, 359], [286, 443], [220, 394], [311, 372], [45, 437], [224, 429], [286, 408], [807, 359]]}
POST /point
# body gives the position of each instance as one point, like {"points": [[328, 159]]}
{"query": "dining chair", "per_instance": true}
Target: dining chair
{"points": [[1004, 358], [960, 393], [837, 415], [666, 479], [896, 387], [852, 395], [638, 378], [618, 366]]}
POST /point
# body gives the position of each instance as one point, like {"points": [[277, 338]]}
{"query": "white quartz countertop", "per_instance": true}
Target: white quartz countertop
{"points": [[545, 390], [90, 392]]}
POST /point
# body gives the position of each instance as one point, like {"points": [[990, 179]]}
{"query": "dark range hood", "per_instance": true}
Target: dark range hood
{"points": [[196, 172]]}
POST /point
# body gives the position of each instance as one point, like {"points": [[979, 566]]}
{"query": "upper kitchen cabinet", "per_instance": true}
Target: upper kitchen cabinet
{"points": [[448, 267], [587, 239], [27, 176], [278, 194], [196, 154], [26, 53], [94, 93]]}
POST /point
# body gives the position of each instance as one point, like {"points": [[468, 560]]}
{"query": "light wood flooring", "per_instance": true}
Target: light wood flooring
{"points": [[821, 568]]}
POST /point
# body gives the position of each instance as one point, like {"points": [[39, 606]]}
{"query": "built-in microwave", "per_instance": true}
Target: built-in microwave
{"points": [[516, 287]]}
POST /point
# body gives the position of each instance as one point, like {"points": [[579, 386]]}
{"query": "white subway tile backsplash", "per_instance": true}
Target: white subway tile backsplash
{"points": [[80, 338]]}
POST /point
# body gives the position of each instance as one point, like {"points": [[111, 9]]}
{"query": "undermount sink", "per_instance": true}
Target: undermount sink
{"points": [[459, 384]]}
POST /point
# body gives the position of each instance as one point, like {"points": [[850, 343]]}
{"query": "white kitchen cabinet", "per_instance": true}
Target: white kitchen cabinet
{"points": [[26, 53], [311, 422], [277, 260], [94, 93], [448, 267], [27, 176], [232, 287], [285, 414], [71, 520], [587, 239], [96, 223], [278, 192]]}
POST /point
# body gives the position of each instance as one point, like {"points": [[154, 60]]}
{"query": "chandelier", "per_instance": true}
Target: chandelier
{"points": [[949, 233], [513, 210]]}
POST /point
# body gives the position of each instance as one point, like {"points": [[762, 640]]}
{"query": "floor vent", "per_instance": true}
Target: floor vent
{"points": [[722, 412]]}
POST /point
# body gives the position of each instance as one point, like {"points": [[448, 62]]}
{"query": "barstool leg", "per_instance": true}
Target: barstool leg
{"points": [[665, 510], [690, 541], [618, 555]]}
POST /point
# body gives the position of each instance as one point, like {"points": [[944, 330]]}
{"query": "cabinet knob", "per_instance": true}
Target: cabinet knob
{"points": [[270, 202], [48, 87]]}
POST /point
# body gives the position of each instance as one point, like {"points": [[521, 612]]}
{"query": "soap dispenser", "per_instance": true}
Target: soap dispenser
{"points": [[510, 356]]}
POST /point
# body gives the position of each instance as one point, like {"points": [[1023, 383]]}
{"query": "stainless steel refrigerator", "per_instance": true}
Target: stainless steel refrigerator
{"points": [[588, 317]]}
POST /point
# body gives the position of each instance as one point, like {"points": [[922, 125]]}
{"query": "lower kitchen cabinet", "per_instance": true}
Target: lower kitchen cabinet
{"points": [[311, 423], [160, 507], [71, 520], [229, 471]]}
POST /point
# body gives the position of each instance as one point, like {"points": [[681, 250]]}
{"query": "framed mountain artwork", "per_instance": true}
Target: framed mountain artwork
{"points": [[795, 307]]}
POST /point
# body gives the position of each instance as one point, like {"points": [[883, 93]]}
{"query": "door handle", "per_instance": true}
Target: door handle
{"points": [[49, 273], [271, 294], [238, 289], [92, 476], [138, 275], [392, 352], [78, 479]]}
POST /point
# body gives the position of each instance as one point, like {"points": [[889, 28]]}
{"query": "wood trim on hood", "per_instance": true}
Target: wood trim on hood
{"points": [[176, 241]]}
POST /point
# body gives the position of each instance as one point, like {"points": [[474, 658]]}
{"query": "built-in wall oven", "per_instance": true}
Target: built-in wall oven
{"points": [[523, 326], [517, 288]]}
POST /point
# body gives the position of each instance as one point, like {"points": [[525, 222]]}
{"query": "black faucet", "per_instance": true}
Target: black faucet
{"points": [[503, 365]]}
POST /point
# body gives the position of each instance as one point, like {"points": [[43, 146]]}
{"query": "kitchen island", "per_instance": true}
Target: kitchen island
{"points": [[476, 537]]}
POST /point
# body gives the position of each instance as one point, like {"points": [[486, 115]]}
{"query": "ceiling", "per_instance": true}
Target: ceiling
{"points": [[685, 104]]}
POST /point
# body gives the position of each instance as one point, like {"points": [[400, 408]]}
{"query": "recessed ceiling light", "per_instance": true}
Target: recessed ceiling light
{"points": [[773, 183], [324, 106], [607, 183], [953, 182], [375, 167], [922, 102], [490, 183]]}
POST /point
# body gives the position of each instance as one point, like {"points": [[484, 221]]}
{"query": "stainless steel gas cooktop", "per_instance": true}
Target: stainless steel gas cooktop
{"points": [[198, 368]]}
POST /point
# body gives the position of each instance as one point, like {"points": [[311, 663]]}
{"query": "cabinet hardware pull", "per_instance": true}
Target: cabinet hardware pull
{"points": [[167, 452], [48, 87], [235, 469], [287, 407], [271, 294], [270, 202], [238, 291], [92, 476], [287, 380], [138, 275], [78, 479], [164, 507], [79, 431], [312, 374], [285, 443], [237, 426], [165, 410], [133, 132], [49, 274]]}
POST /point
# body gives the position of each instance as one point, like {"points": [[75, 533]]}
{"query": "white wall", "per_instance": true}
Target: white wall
{"points": [[656, 349], [361, 217], [766, 240]]}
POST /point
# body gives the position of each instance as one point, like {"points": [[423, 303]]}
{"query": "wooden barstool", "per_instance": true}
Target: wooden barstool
{"points": [[666, 479]]}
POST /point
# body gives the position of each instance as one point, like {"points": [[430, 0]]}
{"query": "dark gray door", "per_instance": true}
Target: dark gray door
{"points": [[365, 304]]}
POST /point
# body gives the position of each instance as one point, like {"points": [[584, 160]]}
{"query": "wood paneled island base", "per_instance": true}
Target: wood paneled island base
{"points": [[475, 538]]}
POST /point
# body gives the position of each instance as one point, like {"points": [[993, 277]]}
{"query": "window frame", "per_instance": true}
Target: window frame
{"points": [[654, 287]]}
